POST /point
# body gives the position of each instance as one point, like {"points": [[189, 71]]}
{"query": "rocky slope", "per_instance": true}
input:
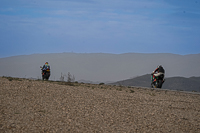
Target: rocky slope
{"points": [[44, 106]]}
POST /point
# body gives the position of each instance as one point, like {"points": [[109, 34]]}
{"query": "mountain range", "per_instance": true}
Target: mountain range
{"points": [[100, 67]]}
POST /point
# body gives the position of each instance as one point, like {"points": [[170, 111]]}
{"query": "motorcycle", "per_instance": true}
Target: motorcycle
{"points": [[45, 73], [157, 82]]}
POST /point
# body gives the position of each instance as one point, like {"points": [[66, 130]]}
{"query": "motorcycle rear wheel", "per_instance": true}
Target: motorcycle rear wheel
{"points": [[159, 84]]}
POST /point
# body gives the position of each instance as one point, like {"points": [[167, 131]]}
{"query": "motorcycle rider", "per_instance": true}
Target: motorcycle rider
{"points": [[46, 68], [159, 71]]}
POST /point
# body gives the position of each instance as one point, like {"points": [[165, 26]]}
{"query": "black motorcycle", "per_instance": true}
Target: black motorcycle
{"points": [[45, 74], [157, 82]]}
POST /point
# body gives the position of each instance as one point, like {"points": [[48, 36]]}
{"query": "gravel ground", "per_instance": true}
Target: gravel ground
{"points": [[40, 106]]}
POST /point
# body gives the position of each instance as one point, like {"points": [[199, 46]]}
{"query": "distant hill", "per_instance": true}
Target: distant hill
{"points": [[173, 83], [142, 81], [100, 67], [181, 83]]}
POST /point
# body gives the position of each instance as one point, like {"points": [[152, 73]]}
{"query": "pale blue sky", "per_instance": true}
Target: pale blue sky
{"points": [[99, 26]]}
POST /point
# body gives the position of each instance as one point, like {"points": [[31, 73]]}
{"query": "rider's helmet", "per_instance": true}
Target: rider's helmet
{"points": [[159, 66]]}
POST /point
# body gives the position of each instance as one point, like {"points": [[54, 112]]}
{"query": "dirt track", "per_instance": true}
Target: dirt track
{"points": [[37, 106]]}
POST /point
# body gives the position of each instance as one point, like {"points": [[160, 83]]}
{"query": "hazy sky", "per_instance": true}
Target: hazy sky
{"points": [[107, 26]]}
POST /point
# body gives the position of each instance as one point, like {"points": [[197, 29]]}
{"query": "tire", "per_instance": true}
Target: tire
{"points": [[159, 83], [152, 86]]}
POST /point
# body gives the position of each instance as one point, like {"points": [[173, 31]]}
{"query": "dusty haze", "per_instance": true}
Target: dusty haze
{"points": [[100, 66]]}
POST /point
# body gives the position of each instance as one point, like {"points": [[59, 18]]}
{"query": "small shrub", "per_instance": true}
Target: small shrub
{"points": [[11, 78], [119, 89], [101, 83], [132, 91], [69, 78], [69, 83]]}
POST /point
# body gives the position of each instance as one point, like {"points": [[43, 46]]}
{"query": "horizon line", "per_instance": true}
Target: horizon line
{"points": [[95, 53]]}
